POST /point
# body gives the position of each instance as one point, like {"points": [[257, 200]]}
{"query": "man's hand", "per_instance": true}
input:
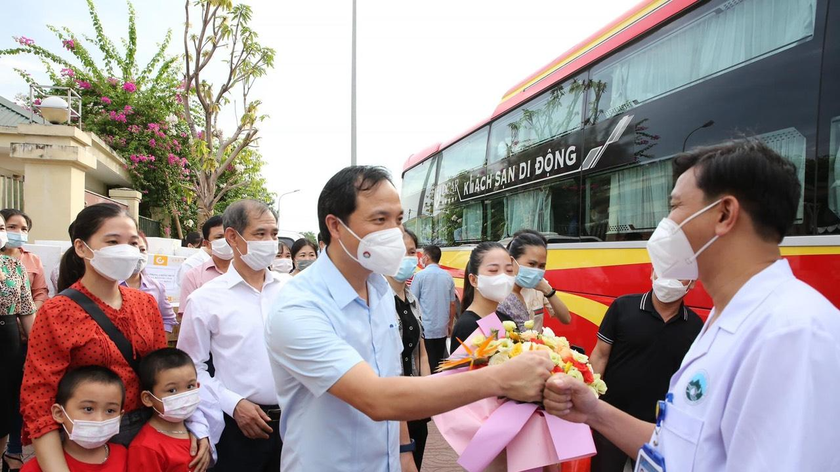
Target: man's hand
{"points": [[569, 398], [523, 377], [407, 462], [252, 420], [200, 451]]}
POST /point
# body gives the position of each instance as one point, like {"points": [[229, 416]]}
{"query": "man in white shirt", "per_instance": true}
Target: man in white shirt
{"points": [[757, 389], [225, 318]]}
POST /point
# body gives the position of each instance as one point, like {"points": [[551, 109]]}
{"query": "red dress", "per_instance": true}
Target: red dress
{"points": [[65, 337], [116, 462], [153, 451]]}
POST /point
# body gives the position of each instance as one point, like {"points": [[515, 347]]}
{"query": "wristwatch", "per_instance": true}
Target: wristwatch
{"points": [[410, 447], [551, 293]]}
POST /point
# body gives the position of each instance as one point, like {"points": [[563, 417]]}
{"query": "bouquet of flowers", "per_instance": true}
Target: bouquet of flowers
{"points": [[479, 432]]}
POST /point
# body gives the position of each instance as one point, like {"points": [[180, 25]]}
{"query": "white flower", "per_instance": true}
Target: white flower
{"points": [[498, 358], [556, 359], [189, 223], [582, 358], [505, 345], [172, 120], [548, 332], [528, 335], [509, 326], [478, 340], [575, 373], [529, 324]]}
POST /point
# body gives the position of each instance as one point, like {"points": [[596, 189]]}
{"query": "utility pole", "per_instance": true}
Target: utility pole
{"points": [[353, 93]]}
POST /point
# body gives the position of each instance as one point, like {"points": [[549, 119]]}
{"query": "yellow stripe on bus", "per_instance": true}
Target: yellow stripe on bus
{"points": [[624, 24], [810, 250]]}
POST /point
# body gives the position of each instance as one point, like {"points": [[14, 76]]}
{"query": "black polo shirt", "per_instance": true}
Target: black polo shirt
{"points": [[646, 351]]}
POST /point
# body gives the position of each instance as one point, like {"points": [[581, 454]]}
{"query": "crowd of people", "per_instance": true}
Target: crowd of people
{"points": [[318, 356]]}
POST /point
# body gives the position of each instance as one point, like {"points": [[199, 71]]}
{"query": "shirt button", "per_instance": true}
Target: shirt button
{"points": [[410, 328], [410, 344], [406, 359], [405, 312]]}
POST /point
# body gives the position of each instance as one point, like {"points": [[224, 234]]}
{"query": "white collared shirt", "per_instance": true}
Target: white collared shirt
{"points": [[757, 391], [226, 318]]}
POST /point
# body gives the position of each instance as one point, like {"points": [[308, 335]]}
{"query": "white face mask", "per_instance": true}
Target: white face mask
{"points": [[92, 434], [178, 407], [669, 290], [380, 252], [116, 262], [495, 287], [284, 266], [260, 254], [144, 261], [4, 239], [221, 249], [671, 253]]}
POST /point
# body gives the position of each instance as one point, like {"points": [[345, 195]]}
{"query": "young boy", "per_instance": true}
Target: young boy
{"points": [[170, 388], [88, 406]]}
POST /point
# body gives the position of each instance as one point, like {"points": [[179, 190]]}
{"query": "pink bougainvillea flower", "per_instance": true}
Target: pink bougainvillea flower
{"points": [[106, 100], [128, 110], [68, 72], [84, 85], [154, 126], [152, 142], [113, 81], [69, 44], [24, 41], [129, 87], [37, 101]]}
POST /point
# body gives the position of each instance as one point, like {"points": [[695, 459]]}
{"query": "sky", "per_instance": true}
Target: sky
{"points": [[426, 71]]}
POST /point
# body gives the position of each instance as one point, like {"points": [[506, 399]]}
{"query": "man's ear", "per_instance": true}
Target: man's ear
{"points": [[332, 223]]}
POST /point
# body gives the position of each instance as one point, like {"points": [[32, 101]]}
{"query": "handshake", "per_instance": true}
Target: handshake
{"points": [[528, 378]]}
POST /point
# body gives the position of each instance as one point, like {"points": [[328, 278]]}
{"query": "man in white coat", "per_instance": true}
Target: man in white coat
{"points": [[757, 391]]}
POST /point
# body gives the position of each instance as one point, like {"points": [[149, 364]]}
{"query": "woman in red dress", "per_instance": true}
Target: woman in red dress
{"points": [[64, 336]]}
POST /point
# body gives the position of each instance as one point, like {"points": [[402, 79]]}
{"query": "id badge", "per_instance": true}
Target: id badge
{"points": [[649, 460]]}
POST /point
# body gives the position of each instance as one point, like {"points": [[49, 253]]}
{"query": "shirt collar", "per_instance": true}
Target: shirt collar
{"points": [[753, 293], [231, 278], [647, 305], [341, 290]]}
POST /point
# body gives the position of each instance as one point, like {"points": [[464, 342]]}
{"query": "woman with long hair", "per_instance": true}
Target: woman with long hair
{"points": [[532, 295], [65, 336], [488, 279]]}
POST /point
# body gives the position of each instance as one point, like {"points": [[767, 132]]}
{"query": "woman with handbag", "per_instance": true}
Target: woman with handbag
{"points": [[93, 321]]}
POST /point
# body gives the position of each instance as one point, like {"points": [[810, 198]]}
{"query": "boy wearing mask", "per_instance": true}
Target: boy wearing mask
{"points": [[170, 388], [88, 406]]}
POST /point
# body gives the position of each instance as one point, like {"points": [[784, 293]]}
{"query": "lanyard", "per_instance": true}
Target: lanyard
{"points": [[661, 409]]}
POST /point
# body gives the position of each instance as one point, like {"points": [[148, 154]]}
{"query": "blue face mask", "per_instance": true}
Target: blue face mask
{"points": [[407, 268], [17, 239], [529, 277]]}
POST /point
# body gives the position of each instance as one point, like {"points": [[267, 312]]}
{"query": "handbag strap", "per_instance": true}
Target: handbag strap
{"points": [[105, 323]]}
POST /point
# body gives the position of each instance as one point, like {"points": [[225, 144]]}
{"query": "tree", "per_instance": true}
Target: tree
{"points": [[222, 33], [312, 237], [133, 110]]}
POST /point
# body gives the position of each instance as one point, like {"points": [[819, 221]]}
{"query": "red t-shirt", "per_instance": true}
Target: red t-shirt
{"points": [[153, 451], [64, 337], [115, 463]]}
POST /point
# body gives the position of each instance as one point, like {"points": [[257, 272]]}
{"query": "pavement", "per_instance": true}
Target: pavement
{"points": [[439, 457]]}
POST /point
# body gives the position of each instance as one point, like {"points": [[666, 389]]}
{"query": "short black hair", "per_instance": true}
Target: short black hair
{"points": [[211, 223], [339, 196], [433, 252], [320, 238], [525, 238], [194, 238], [302, 243], [239, 214], [10, 212], [91, 373], [158, 361], [764, 183], [411, 235]]}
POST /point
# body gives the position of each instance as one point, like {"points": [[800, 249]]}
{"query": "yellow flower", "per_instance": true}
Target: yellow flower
{"points": [[517, 350], [478, 340], [505, 345], [529, 324], [509, 326], [598, 386], [574, 373], [555, 358]]}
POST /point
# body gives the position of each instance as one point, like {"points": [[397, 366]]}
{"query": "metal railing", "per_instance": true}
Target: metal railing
{"points": [[11, 192], [150, 227]]}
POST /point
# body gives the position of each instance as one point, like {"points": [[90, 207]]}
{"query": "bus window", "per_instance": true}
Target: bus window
{"points": [[790, 144], [551, 114], [465, 155], [417, 191], [528, 210], [460, 224], [565, 206], [832, 224], [627, 205], [729, 36]]}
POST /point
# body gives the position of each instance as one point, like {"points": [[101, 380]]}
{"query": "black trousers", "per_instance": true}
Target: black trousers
{"points": [[608, 457], [436, 350], [238, 453], [418, 431]]}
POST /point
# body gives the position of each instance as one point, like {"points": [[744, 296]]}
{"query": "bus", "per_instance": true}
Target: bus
{"points": [[581, 150]]}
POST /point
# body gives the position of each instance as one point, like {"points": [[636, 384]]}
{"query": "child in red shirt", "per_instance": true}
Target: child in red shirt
{"points": [[170, 387], [88, 405]]}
